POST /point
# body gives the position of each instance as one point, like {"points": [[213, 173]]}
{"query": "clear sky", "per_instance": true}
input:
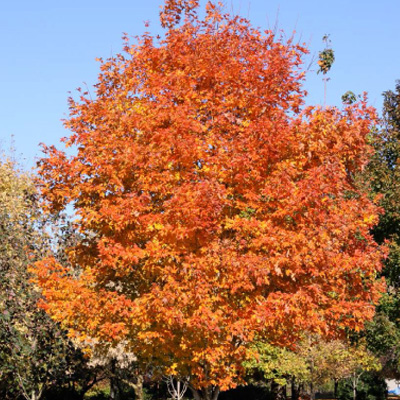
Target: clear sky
{"points": [[49, 48]]}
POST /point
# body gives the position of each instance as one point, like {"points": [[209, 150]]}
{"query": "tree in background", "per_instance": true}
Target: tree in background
{"points": [[29, 337], [120, 366], [360, 361], [35, 353], [212, 210], [383, 177], [277, 367], [314, 362]]}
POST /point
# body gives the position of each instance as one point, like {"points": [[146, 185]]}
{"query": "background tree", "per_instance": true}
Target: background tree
{"points": [[313, 363], [383, 177], [35, 353], [120, 367], [371, 386], [26, 331], [212, 209], [360, 360], [277, 367]]}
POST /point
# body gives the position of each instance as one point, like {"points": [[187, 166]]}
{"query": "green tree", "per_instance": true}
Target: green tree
{"points": [[383, 177], [313, 363], [35, 353], [22, 238]]}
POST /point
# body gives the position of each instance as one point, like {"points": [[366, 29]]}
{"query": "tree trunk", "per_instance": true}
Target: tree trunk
{"points": [[312, 391], [295, 391], [335, 390], [209, 393], [138, 388], [113, 389], [355, 383], [37, 395], [278, 391], [113, 382], [300, 390]]}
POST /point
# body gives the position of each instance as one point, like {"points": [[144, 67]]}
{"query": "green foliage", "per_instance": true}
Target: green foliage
{"points": [[370, 387], [349, 97], [276, 364], [247, 213], [383, 338], [383, 173], [35, 353], [326, 56], [383, 178], [22, 239], [314, 363], [98, 393]]}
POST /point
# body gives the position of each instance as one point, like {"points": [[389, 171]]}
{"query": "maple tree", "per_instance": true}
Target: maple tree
{"points": [[213, 209]]}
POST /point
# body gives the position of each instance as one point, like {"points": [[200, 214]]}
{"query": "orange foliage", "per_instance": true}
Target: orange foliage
{"points": [[213, 210]]}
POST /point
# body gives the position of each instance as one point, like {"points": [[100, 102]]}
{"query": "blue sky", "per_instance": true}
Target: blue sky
{"points": [[49, 48]]}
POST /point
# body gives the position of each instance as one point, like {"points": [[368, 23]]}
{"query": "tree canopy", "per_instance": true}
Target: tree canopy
{"points": [[213, 209], [383, 177]]}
